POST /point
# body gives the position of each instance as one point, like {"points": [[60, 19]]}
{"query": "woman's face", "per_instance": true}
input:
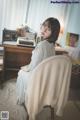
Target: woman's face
{"points": [[45, 31]]}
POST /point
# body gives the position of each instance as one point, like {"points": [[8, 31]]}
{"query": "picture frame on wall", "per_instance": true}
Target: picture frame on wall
{"points": [[72, 39]]}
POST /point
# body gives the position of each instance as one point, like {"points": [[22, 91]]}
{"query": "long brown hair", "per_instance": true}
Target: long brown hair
{"points": [[54, 25]]}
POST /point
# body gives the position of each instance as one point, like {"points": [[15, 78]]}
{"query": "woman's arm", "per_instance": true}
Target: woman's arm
{"points": [[37, 57]]}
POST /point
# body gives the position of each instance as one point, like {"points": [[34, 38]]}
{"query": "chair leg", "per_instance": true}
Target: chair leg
{"points": [[52, 113], [26, 113], [28, 117]]}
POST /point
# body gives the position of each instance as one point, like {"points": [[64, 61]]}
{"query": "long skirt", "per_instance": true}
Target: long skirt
{"points": [[21, 85]]}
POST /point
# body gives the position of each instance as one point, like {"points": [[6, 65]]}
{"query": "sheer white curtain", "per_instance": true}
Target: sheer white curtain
{"points": [[16, 12], [40, 10], [12, 14], [66, 13]]}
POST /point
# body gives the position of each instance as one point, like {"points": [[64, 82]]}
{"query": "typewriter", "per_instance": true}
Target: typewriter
{"points": [[29, 40]]}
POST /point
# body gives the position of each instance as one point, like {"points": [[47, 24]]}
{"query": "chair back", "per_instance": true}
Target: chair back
{"points": [[49, 85]]}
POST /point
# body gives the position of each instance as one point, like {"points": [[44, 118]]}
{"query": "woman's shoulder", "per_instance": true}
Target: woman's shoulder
{"points": [[42, 43]]}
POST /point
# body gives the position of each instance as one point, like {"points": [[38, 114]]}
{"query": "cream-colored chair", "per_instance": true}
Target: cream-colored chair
{"points": [[49, 86]]}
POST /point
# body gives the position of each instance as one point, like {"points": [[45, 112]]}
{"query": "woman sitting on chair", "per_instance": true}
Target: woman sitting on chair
{"points": [[49, 32]]}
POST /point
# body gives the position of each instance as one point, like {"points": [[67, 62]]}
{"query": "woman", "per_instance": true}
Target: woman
{"points": [[49, 32]]}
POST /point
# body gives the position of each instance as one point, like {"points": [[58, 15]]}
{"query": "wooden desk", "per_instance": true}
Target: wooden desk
{"points": [[60, 51], [15, 57]]}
